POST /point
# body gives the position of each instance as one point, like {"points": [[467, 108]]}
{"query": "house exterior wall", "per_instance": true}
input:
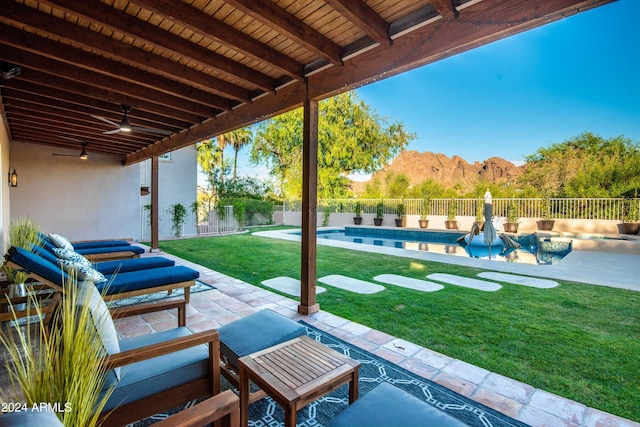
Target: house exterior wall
{"points": [[5, 214], [81, 199], [177, 181]]}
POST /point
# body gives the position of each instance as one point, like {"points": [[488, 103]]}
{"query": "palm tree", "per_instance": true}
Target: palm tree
{"points": [[238, 139]]}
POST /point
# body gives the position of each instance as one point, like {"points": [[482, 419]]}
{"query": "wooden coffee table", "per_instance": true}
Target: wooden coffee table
{"points": [[294, 374]]}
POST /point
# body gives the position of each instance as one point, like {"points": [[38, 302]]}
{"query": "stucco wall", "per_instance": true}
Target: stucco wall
{"points": [[81, 199], [4, 186]]}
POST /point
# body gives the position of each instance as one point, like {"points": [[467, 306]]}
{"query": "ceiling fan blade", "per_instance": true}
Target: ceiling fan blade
{"points": [[64, 155], [151, 130], [109, 132], [107, 121]]}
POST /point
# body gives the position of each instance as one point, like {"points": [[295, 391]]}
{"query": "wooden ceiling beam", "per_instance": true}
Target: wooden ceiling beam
{"points": [[478, 25], [364, 17], [80, 58], [208, 26], [120, 89], [445, 8], [60, 137], [68, 105], [122, 22], [94, 41], [280, 20]]}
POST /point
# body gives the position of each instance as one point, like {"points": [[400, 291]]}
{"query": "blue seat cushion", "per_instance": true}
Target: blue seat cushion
{"points": [[37, 264], [93, 251], [133, 264], [143, 379], [389, 406], [256, 332], [30, 418], [99, 244], [144, 279]]}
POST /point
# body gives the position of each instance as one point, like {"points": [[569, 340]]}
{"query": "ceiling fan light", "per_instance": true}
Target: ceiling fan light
{"points": [[83, 155], [125, 126]]}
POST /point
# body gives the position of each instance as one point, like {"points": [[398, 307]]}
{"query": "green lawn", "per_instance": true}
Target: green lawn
{"points": [[578, 341]]}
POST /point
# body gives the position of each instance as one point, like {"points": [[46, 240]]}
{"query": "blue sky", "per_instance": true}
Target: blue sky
{"points": [[531, 90]]}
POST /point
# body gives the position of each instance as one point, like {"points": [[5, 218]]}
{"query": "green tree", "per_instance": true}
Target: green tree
{"points": [[238, 139], [585, 166], [351, 138]]}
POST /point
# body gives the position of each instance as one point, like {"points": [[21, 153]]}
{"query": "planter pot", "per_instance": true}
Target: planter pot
{"points": [[451, 225], [399, 222], [480, 225], [424, 223], [357, 220], [18, 290], [377, 221], [545, 224], [629, 228], [510, 227]]}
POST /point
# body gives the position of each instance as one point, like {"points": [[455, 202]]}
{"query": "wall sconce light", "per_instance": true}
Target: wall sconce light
{"points": [[13, 177]]}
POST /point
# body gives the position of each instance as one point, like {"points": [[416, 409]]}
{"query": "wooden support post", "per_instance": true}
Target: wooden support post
{"points": [[154, 202], [308, 302]]}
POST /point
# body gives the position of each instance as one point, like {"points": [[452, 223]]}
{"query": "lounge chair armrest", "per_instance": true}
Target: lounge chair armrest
{"points": [[210, 337], [138, 309], [225, 404]]}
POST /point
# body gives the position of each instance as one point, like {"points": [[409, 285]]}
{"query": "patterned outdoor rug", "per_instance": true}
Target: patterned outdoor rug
{"points": [[373, 370], [157, 296]]}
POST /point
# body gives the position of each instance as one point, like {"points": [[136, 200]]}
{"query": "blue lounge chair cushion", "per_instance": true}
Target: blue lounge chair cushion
{"points": [[143, 279], [116, 283], [133, 264], [30, 418], [111, 267], [143, 379], [37, 264], [99, 244], [94, 251], [389, 406], [256, 332]]}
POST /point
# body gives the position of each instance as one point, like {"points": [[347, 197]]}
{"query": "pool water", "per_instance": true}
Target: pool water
{"points": [[533, 250]]}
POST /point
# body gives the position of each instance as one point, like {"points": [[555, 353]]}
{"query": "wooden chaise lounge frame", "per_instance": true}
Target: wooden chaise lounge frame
{"points": [[120, 295]]}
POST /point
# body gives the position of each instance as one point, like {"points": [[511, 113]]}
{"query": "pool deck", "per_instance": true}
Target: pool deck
{"points": [[233, 299]]}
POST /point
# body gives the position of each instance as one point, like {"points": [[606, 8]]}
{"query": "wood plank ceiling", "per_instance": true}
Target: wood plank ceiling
{"points": [[194, 69]]}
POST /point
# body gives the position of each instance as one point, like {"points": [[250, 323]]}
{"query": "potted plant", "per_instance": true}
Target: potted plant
{"points": [[452, 210], [479, 221], [379, 214], [511, 226], [426, 209], [546, 223], [357, 220], [400, 211], [630, 217]]}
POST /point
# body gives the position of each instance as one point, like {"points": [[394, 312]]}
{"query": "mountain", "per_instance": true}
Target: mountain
{"points": [[419, 167]]}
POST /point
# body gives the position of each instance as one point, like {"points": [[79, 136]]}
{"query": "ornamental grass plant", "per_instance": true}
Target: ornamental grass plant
{"points": [[62, 370]]}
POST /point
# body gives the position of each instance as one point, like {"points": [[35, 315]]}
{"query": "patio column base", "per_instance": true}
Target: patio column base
{"points": [[308, 309]]}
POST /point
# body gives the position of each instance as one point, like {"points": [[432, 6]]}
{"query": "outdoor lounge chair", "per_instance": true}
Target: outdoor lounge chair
{"points": [[118, 285], [389, 406], [156, 372], [100, 250], [115, 266]]}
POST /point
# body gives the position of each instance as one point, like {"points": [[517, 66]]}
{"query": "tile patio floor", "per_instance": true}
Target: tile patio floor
{"points": [[233, 299]]}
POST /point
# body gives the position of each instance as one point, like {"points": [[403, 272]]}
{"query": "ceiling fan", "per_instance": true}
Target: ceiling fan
{"points": [[83, 154], [126, 126]]}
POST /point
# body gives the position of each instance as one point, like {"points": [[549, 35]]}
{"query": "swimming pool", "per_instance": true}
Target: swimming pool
{"points": [[533, 250]]}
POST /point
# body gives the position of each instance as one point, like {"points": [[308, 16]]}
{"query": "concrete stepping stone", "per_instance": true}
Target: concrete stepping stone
{"points": [[351, 284], [533, 282], [408, 282], [452, 279], [288, 285]]}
